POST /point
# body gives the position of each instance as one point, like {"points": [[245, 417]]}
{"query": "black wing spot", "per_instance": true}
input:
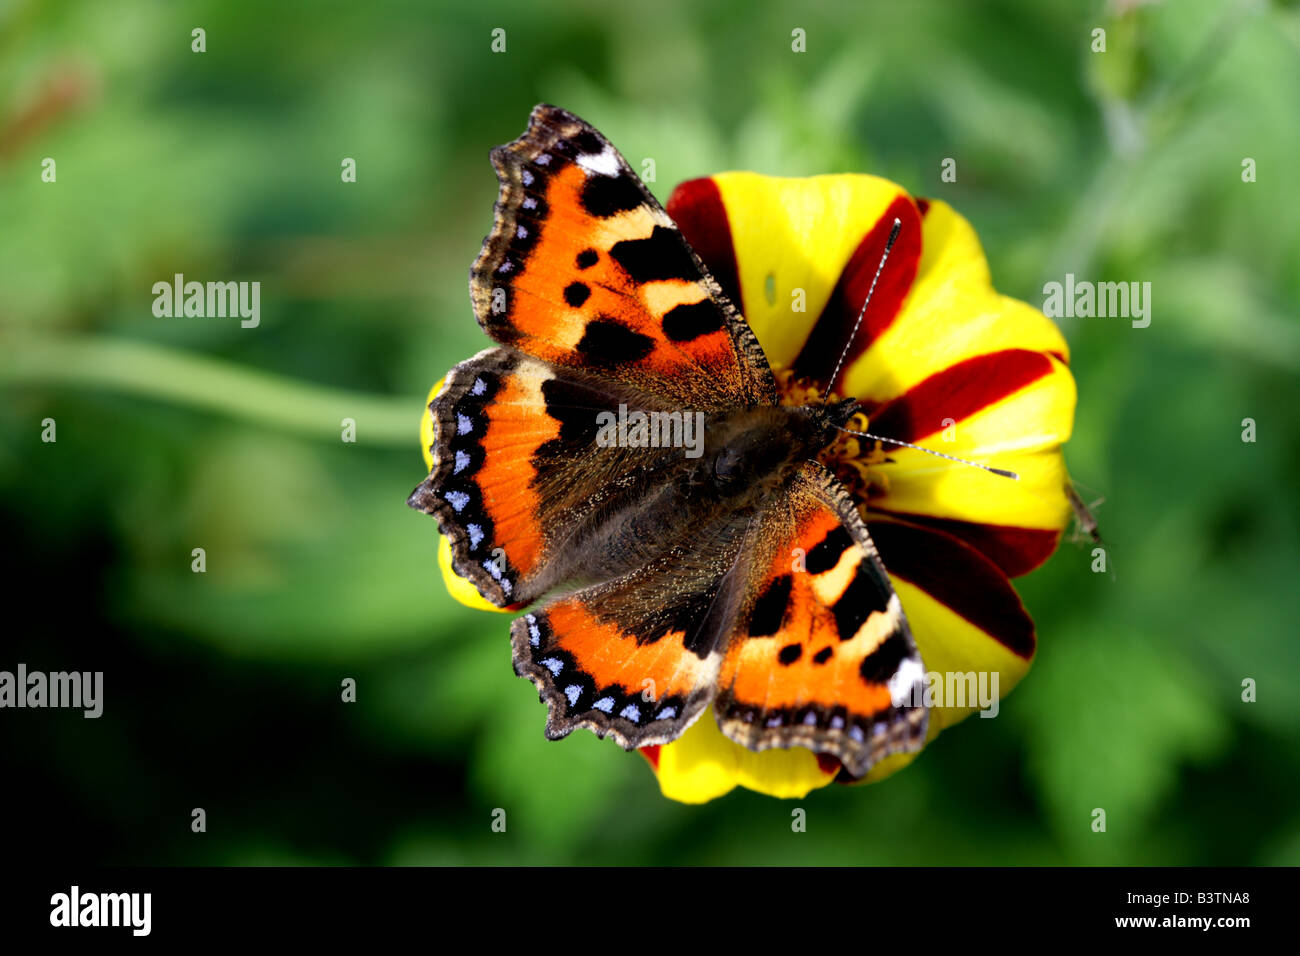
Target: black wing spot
{"points": [[607, 343], [686, 616], [856, 604], [827, 554], [588, 142], [686, 322], [569, 404], [882, 663], [606, 196], [769, 609], [790, 653], [822, 656], [663, 255], [576, 293], [587, 258]]}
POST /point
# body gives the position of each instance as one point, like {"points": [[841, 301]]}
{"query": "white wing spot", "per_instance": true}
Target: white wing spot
{"points": [[573, 692], [462, 462], [901, 684], [475, 535], [464, 424], [605, 705], [631, 712], [554, 665], [604, 163], [458, 499]]}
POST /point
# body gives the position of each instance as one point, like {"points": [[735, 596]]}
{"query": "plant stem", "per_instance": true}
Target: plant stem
{"points": [[162, 373]]}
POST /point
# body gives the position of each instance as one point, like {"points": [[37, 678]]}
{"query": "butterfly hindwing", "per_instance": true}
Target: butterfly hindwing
{"points": [[636, 658], [584, 270], [821, 655]]}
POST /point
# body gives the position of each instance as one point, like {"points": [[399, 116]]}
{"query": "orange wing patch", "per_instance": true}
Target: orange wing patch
{"points": [[821, 655], [490, 418], [592, 672], [585, 270]]}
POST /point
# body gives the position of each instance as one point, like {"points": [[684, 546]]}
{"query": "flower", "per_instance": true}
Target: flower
{"points": [[941, 360]]}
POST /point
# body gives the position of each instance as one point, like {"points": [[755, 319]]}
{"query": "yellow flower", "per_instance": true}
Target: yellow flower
{"points": [[941, 360]]}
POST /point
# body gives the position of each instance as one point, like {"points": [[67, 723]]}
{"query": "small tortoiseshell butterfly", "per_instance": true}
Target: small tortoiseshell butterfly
{"points": [[739, 575]]}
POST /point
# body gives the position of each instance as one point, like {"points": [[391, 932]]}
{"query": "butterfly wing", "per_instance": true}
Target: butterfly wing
{"points": [[520, 477], [820, 655], [584, 270], [637, 658]]}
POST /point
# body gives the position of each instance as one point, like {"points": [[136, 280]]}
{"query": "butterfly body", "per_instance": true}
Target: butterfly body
{"points": [[753, 453], [658, 579]]}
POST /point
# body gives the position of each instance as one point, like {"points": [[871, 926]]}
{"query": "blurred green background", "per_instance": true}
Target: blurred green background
{"points": [[222, 690]]}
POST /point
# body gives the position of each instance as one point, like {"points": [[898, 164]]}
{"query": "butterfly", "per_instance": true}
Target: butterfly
{"points": [[658, 578]]}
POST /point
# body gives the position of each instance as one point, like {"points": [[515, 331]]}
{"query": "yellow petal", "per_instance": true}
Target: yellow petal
{"points": [[950, 644], [952, 313], [462, 590], [801, 233], [702, 764], [1022, 433], [426, 426], [895, 762]]}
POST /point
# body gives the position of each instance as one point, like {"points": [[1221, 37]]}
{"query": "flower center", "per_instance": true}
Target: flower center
{"points": [[850, 458]]}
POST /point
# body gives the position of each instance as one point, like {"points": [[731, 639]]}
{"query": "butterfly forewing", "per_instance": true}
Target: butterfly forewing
{"points": [[584, 270]]}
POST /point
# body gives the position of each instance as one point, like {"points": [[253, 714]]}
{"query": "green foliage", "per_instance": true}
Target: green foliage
{"points": [[183, 433]]}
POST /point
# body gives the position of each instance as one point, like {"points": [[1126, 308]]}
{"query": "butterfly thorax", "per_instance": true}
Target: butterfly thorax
{"points": [[752, 453]]}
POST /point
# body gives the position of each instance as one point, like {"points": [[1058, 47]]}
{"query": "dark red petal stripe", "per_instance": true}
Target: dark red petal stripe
{"points": [[828, 763], [651, 754], [959, 577], [696, 206], [958, 392], [1015, 550], [822, 349]]}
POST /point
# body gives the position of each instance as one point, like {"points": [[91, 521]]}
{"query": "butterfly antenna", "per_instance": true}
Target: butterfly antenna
{"points": [[1001, 472], [889, 244]]}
